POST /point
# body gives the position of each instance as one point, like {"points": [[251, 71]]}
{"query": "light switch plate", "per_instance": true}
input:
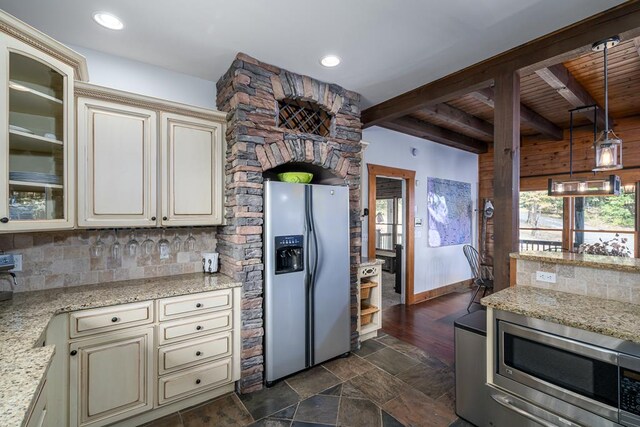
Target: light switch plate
{"points": [[543, 276], [17, 261]]}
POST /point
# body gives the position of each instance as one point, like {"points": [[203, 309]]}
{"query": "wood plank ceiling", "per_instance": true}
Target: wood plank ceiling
{"points": [[546, 97]]}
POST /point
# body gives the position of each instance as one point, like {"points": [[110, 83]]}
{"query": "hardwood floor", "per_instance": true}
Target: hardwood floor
{"points": [[428, 325]]}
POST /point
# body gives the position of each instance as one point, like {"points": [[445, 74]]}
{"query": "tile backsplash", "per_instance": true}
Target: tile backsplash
{"points": [[601, 283], [66, 258]]}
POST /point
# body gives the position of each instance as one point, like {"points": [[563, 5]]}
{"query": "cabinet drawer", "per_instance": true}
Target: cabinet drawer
{"points": [[106, 319], [194, 327], [196, 380], [194, 352], [189, 305]]}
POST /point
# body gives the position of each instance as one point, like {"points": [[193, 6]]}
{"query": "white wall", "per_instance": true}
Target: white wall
{"points": [[133, 76], [434, 267]]}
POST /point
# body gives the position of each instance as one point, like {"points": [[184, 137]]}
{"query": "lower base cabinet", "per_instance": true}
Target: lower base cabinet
{"points": [[38, 416], [129, 376], [111, 377]]}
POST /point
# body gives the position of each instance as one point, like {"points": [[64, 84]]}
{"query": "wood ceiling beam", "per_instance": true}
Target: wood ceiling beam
{"points": [[421, 129], [542, 52], [636, 43], [527, 115], [460, 118], [562, 81]]}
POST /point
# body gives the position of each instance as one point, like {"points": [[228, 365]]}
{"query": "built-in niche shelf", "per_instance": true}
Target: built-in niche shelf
{"points": [[320, 174], [370, 299]]}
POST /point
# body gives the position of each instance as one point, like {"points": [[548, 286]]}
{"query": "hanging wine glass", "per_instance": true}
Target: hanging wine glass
{"points": [[116, 248], [190, 243], [131, 248], [147, 245], [98, 247], [163, 246], [176, 243]]}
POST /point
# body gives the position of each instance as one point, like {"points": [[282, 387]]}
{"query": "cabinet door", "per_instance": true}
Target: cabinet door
{"points": [[192, 171], [37, 142], [111, 377], [117, 148]]}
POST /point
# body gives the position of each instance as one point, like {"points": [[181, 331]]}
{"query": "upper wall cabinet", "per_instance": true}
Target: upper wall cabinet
{"points": [[144, 162], [116, 164], [192, 170], [37, 139]]}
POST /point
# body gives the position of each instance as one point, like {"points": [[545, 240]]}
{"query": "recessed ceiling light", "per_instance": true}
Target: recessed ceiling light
{"points": [[108, 20], [330, 61]]}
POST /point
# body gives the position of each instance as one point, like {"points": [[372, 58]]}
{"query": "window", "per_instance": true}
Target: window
{"points": [[385, 224], [601, 219], [540, 221]]}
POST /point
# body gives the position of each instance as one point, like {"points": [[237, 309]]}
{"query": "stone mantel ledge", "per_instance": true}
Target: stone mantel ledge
{"points": [[629, 265], [24, 320], [612, 318]]}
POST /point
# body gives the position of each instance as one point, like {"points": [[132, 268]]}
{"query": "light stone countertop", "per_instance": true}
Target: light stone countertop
{"points": [[607, 317], [366, 262], [24, 320], [631, 265]]}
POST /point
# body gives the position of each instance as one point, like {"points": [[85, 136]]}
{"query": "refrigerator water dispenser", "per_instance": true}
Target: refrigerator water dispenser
{"points": [[289, 254]]}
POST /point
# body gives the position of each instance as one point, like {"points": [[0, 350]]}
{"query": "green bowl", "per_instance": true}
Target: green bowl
{"points": [[296, 177]]}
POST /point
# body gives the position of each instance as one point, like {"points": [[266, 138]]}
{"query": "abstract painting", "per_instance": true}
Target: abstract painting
{"points": [[450, 212]]}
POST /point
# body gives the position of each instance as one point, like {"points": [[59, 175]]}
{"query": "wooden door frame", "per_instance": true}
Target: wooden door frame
{"points": [[409, 178]]}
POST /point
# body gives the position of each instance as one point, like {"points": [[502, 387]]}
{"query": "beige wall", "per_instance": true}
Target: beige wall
{"points": [[59, 259]]}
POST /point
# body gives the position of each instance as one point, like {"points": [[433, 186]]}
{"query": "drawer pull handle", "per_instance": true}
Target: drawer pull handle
{"points": [[199, 305], [198, 328], [198, 353], [198, 381], [114, 319]]}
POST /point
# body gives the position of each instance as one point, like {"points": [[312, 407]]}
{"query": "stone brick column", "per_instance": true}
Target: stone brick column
{"points": [[249, 92]]}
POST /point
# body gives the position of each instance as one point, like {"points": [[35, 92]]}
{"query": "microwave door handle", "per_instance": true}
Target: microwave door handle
{"points": [[507, 403]]}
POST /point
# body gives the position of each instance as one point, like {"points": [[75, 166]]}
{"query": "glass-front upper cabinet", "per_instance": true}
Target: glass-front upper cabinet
{"points": [[37, 142]]}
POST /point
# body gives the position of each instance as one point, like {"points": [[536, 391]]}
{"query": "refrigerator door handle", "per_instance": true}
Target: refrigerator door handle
{"points": [[313, 269], [308, 278]]}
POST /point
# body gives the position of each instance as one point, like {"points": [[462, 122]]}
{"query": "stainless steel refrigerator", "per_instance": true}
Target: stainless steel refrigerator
{"points": [[307, 291]]}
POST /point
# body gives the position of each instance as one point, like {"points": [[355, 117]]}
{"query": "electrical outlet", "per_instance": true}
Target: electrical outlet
{"points": [[17, 261], [543, 276]]}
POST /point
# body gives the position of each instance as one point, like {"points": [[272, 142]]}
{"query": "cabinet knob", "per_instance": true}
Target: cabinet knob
{"points": [[198, 353], [198, 328], [114, 319], [198, 381], [199, 305], [164, 218], [153, 218], [4, 220], [73, 352]]}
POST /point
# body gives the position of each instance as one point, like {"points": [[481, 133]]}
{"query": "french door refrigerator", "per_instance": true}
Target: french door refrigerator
{"points": [[307, 290]]}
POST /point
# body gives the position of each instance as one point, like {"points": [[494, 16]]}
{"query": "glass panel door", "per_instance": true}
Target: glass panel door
{"points": [[36, 140]]}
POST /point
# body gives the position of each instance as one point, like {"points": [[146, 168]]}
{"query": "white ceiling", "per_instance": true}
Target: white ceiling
{"points": [[387, 46]]}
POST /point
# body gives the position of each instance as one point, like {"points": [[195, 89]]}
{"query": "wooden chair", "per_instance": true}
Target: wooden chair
{"points": [[482, 275]]}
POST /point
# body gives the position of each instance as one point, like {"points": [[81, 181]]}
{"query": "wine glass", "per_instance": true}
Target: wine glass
{"points": [[98, 247], [116, 248], [190, 243], [147, 245], [163, 246], [132, 245], [176, 243]]}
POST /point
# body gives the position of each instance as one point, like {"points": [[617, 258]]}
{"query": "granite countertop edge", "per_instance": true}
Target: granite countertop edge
{"points": [[606, 317], [365, 262], [25, 318], [631, 265]]}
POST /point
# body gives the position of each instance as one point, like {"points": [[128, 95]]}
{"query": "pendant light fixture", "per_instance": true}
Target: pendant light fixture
{"points": [[608, 147]]}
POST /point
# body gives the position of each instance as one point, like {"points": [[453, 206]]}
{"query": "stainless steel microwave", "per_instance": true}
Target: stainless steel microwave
{"points": [[585, 378]]}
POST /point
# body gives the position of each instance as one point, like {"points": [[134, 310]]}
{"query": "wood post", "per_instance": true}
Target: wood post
{"points": [[506, 179]]}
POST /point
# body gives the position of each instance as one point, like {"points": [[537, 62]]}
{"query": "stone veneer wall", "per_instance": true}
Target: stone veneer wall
{"points": [[249, 92], [62, 258], [608, 284]]}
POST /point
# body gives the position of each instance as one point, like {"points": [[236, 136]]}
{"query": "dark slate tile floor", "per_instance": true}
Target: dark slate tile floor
{"points": [[387, 383]]}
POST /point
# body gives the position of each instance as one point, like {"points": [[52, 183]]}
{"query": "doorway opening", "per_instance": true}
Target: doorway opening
{"points": [[391, 233]]}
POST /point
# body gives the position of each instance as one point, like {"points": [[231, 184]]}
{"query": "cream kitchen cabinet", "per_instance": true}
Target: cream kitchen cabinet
{"points": [[117, 151], [145, 162], [37, 137], [192, 170], [111, 377]]}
